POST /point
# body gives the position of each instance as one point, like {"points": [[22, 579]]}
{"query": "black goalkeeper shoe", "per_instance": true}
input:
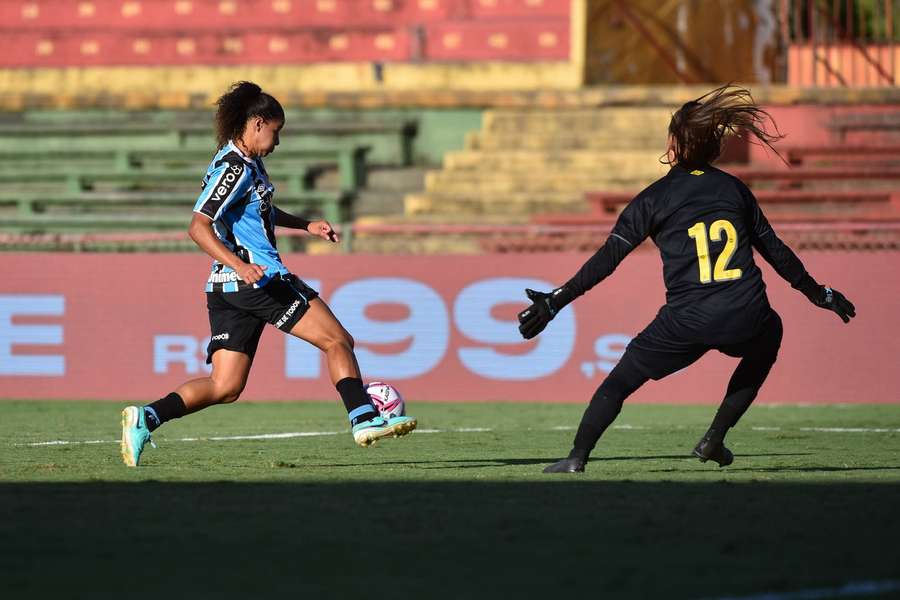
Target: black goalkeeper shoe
{"points": [[566, 465], [709, 449]]}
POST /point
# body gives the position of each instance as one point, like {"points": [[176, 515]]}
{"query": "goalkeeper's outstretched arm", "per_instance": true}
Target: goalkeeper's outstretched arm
{"points": [[632, 227], [789, 266]]}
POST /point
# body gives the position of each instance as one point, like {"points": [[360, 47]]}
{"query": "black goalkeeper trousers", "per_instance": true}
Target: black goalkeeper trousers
{"points": [[757, 357]]}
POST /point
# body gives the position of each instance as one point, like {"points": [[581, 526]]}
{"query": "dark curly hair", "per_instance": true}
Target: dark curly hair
{"points": [[245, 99], [697, 128]]}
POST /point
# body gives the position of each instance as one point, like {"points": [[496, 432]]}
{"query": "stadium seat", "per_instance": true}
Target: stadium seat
{"points": [[229, 32], [390, 140], [843, 154], [38, 212]]}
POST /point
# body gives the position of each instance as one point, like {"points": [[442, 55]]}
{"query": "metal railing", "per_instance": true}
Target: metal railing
{"points": [[840, 43]]}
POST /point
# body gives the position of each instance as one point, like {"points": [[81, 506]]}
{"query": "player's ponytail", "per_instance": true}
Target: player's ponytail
{"points": [[697, 128], [244, 100]]}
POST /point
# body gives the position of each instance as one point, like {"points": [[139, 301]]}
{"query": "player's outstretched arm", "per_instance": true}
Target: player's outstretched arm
{"points": [[543, 308], [789, 266], [632, 227], [322, 229], [830, 299]]}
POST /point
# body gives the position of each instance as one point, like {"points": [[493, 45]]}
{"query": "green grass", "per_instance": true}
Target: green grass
{"points": [[450, 514]]}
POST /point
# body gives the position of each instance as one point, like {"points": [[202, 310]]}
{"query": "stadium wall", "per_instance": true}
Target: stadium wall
{"points": [[440, 328]]}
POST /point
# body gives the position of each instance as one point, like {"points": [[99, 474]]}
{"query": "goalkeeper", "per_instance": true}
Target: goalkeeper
{"points": [[704, 222]]}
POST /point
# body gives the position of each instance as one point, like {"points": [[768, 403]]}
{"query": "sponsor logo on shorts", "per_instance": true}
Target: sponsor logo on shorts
{"points": [[287, 314], [223, 277], [222, 336]]}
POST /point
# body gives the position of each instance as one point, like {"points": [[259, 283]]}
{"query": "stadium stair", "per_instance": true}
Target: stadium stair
{"points": [[523, 161]]}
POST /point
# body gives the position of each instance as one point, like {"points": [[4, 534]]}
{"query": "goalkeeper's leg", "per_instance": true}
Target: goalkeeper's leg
{"points": [[605, 406], [758, 356]]}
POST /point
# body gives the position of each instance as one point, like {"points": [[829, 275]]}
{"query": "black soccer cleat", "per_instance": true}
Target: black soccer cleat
{"points": [[709, 449], [566, 465]]}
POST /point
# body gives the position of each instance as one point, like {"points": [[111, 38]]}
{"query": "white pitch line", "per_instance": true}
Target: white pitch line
{"points": [[266, 436], [853, 588], [261, 436], [851, 429], [300, 434], [573, 428]]}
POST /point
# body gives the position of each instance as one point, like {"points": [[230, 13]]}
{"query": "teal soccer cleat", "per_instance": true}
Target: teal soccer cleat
{"points": [[135, 435], [369, 432]]}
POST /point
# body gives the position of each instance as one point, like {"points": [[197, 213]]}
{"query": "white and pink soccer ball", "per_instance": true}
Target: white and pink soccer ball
{"points": [[386, 399]]}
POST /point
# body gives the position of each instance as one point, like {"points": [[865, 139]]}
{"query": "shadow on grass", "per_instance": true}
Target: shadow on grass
{"points": [[817, 469], [480, 463], [559, 539]]}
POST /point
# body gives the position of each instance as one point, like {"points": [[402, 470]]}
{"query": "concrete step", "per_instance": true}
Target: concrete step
{"points": [[573, 140], [378, 203], [396, 179], [639, 162], [385, 189], [481, 182], [401, 243], [623, 120], [509, 205], [427, 234]]}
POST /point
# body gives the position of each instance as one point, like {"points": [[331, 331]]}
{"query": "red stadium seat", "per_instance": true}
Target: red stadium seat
{"points": [[56, 33]]}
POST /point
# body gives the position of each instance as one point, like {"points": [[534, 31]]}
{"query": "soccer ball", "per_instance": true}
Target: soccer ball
{"points": [[386, 399]]}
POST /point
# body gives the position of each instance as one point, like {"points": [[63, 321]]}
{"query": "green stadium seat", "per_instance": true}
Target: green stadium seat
{"points": [[80, 169], [390, 140], [99, 211]]}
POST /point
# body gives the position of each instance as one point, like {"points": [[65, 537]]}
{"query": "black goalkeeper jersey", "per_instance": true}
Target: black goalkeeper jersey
{"points": [[705, 223]]}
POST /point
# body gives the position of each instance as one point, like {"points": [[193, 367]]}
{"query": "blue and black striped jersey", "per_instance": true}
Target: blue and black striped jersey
{"points": [[237, 196]]}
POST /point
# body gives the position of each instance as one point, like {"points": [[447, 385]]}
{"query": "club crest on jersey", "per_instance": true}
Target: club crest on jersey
{"points": [[265, 196]]}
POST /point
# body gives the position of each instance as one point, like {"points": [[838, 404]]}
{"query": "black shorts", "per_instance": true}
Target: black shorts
{"points": [[664, 347], [237, 319]]}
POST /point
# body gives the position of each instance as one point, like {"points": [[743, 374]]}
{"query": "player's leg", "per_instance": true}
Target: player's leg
{"points": [[605, 406], [224, 384], [758, 356], [235, 337], [320, 327], [657, 351]]}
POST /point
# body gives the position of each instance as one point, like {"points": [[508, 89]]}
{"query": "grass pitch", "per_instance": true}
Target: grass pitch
{"points": [[459, 509]]}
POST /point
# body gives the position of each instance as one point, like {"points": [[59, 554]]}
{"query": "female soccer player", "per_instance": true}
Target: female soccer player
{"points": [[704, 222], [234, 222]]}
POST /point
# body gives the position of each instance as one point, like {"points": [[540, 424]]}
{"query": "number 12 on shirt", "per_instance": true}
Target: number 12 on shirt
{"points": [[698, 234]]}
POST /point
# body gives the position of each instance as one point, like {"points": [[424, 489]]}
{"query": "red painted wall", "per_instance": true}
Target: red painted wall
{"points": [[130, 327]]}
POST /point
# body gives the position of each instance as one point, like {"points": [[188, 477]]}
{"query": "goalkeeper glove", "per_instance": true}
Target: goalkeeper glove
{"points": [[544, 307], [833, 300]]}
